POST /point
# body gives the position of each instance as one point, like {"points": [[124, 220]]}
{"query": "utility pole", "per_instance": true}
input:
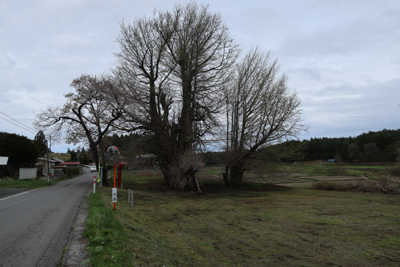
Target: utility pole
{"points": [[48, 160]]}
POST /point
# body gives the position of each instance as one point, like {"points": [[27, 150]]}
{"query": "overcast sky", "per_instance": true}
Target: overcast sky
{"points": [[341, 56]]}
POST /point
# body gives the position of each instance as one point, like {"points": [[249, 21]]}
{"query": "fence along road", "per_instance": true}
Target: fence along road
{"points": [[34, 226]]}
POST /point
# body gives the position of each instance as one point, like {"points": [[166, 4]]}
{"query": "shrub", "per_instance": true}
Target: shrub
{"points": [[72, 172], [183, 171], [337, 171], [395, 171], [337, 186]]}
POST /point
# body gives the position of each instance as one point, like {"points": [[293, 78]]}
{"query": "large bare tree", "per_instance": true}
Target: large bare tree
{"points": [[172, 68], [260, 111], [87, 116]]}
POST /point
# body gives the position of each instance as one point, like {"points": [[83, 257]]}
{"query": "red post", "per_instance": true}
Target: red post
{"points": [[115, 182], [119, 180]]}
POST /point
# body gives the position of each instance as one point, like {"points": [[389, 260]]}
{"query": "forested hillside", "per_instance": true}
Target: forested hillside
{"points": [[367, 147], [381, 146]]}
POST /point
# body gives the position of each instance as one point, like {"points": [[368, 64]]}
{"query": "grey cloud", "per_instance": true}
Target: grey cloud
{"points": [[46, 44], [346, 38], [306, 72], [346, 107]]}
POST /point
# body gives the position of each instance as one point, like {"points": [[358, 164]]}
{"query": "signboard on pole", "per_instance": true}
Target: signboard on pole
{"points": [[112, 156], [3, 160], [114, 195]]}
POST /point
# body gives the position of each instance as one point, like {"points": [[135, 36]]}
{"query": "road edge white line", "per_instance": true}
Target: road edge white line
{"points": [[1, 199]]}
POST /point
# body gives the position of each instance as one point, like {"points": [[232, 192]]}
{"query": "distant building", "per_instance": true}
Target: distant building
{"points": [[70, 164], [57, 161], [42, 167]]}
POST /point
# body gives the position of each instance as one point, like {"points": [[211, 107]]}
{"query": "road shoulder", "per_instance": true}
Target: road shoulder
{"points": [[75, 252]]}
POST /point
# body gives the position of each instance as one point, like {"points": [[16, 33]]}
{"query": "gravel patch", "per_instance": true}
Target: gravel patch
{"points": [[75, 252]]}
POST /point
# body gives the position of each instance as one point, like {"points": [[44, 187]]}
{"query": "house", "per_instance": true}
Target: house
{"points": [[3, 162], [43, 167], [70, 164], [57, 161]]}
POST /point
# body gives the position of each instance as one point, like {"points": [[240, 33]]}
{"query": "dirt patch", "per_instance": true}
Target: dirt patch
{"points": [[336, 178], [304, 185], [322, 179]]}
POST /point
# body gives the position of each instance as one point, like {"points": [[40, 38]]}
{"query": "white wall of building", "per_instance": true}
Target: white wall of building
{"points": [[27, 173]]}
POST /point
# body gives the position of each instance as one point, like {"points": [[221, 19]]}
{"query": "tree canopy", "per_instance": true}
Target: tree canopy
{"points": [[41, 143], [87, 116], [20, 150], [172, 67], [174, 73], [261, 111]]}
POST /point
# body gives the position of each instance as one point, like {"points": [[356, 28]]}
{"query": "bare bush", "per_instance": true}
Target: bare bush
{"points": [[183, 170], [395, 171]]}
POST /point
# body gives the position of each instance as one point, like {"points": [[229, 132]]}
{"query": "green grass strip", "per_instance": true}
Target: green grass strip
{"points": [[107, 242], [24, 184]]}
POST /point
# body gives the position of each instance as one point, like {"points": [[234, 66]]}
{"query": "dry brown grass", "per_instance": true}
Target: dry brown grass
{"points": [[382, 185], [257, 225]]}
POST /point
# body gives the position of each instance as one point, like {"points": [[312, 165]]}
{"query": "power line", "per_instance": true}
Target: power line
{"points": [[25, 127], [17, 125], [18, 122]]}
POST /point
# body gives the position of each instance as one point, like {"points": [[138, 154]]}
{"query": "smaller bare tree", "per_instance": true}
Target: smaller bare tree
{"points": [[260, 112], [87, 116]]}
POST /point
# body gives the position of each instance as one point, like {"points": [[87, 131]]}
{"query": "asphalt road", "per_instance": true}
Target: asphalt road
{"points": [[34, 225]]}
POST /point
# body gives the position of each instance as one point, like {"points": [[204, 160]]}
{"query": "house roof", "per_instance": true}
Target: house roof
{"points": [[46, 159], [58, 160], [70, 163]]}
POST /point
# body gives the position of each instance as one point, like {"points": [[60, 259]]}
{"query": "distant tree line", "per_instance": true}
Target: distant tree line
{"points": [[381, 146], [81, 155]]}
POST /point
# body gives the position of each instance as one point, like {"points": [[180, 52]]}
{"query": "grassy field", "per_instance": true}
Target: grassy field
{"points": [[255, 225]]}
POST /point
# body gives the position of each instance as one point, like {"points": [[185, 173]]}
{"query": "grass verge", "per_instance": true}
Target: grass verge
{"points": [[107, 239], [24, 184]]}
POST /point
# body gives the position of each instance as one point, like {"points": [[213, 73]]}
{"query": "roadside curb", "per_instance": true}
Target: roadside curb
{"points": [[75, 252]]}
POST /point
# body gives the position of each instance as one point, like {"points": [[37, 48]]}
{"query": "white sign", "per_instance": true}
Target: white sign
{"points": [[114, 195], [3, 160]]}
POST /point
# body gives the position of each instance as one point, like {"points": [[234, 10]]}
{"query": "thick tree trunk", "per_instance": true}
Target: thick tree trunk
{"points": [[225, 176], [104, 180], [237, 173], [165, 172], [96, 157]]}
